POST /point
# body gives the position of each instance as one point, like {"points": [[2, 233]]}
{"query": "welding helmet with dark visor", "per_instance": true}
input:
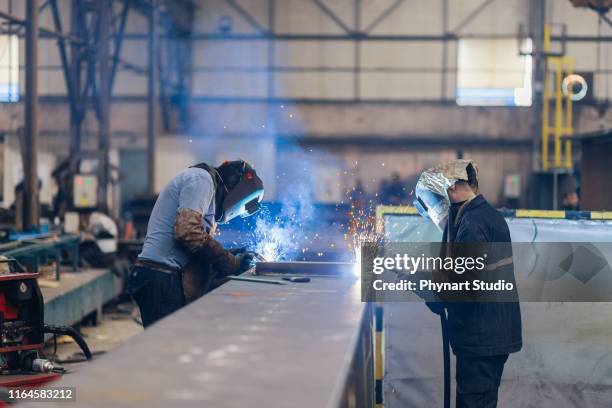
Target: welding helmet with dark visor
{"points": [[431, 191], [243, 193]]}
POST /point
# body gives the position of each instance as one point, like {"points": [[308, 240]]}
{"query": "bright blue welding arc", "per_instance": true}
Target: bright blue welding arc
{"points": [[330, 219]]}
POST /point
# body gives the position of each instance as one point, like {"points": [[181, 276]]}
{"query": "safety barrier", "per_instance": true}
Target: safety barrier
{"points": [[409, 211], [382, 210], [378, 356]]}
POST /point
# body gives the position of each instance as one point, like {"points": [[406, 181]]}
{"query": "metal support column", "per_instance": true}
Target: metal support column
{"points": [[151, 96], [76, 108], [271, 110], [271, 49], [537, 21], [444, 78], [104, 100], [357, 51], [30, 129]]}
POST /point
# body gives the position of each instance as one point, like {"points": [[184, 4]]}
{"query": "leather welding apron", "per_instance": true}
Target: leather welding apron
{"points": [[199, 277]]}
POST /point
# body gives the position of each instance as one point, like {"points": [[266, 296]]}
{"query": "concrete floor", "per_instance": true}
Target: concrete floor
{"points": [[117, 327]]}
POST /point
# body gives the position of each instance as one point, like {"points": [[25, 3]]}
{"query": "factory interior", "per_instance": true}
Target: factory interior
{"points": [[189, 189]]}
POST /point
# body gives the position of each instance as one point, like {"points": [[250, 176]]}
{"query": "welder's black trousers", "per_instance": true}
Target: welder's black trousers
{"points": [[478, 380], [157, 293]]}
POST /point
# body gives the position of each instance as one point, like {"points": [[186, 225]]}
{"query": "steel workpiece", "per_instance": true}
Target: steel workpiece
{"points": [[244, 345]]}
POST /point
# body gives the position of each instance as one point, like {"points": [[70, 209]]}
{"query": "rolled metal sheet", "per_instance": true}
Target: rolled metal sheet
{"points": [[305, 268]]}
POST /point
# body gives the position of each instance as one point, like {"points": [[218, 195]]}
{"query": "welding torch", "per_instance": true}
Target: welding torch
{"points": [[243, 250]]}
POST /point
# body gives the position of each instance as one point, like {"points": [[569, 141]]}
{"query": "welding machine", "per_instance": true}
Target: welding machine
{"points": [[21, 317], [22, 327]]}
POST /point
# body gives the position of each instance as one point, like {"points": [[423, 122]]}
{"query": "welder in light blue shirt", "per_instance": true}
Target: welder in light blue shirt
{"points": [[181, 229]]}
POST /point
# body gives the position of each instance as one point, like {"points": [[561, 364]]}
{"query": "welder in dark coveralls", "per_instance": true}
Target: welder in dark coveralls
{"points": [[180, 257], [481, 334]]}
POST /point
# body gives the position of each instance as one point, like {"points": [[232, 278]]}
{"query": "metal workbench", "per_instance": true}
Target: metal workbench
{"points": [[36, 251], [79, 294], [245, 345]]}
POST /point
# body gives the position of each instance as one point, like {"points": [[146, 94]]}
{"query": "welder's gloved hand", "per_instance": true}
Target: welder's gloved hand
{"points": [[247, 261], [237, 264], [190, 233]]}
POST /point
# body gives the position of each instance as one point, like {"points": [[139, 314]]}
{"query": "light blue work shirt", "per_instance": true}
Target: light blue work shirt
{"points": [[192, 188]]}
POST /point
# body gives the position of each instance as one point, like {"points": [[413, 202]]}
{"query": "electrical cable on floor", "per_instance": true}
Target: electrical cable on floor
{"points": [[74, 360], [76, 336]]}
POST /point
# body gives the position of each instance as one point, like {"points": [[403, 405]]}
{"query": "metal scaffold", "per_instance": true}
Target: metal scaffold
{"points": [[89, 47]]}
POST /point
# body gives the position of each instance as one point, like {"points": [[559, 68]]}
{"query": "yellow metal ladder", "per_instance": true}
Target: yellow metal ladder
{"points": [[561, 127]]}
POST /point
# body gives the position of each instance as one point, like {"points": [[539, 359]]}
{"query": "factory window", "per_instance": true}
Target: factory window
{"points": [[491, 72], [9, 68]]}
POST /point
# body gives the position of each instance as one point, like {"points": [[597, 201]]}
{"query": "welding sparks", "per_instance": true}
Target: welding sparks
{"points": [[362, 226], [273, 241], [283, 236]]}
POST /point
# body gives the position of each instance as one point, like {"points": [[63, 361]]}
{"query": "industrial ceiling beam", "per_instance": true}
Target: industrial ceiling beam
{"points": [[369, 37], [178, 14], [383, 16], [62, 48], [329, 13], [605, 18], [470, 17], [246, 16], [353, 36], [118, 37], [42, 32], [176, 18]]}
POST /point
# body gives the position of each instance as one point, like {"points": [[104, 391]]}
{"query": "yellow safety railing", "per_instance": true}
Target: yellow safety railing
{"points": [[383, 210]]}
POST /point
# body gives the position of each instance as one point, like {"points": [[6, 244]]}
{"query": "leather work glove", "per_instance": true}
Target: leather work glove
{"points": [[235, 264], [246, 261], [189, 232]]}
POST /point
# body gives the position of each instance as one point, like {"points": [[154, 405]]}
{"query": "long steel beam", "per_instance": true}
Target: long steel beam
{"points": [[245, 344], [470, 17], [61, 45], [382, 16], [329, 13], [118, 37], [368, 37], [246, 16], [42, 32]]}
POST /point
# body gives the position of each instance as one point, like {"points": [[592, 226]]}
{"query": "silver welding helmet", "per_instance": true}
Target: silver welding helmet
{"points": [[431, 190], [243, 193]]}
